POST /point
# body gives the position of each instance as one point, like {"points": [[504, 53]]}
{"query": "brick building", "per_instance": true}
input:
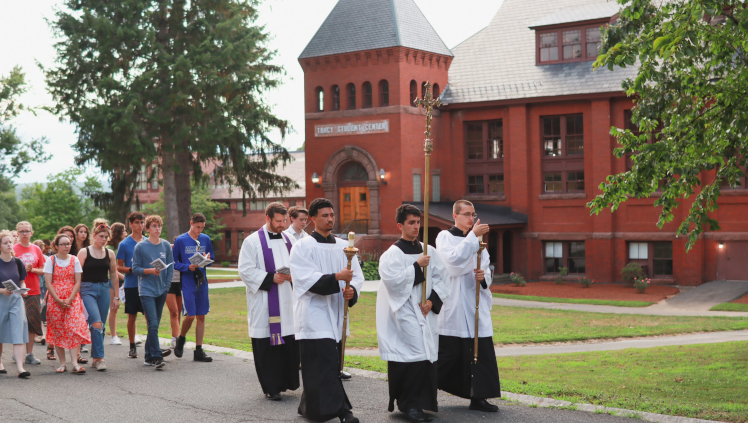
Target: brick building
{"points": [[523, 133]]}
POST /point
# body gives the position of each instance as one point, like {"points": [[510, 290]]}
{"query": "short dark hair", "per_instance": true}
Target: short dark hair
{"points": [[319, 203], [295, 210], [136, 215], [275, 207], [198, 218], [406, 210]]}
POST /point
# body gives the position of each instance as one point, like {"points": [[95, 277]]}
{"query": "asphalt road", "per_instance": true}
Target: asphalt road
{"points": [[226, 390]]}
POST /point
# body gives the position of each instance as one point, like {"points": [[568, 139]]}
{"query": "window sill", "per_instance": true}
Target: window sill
{"points": [[568, 278], [733, 192], [501, 197], [563, 196]]}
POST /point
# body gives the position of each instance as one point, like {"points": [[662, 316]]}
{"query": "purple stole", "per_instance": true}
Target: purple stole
{"points": [[273, 300]]}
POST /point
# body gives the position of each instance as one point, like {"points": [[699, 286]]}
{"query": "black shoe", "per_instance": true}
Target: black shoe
{"points": [[133, 352], [483, 405], [345, 375], [348, 418], [416, 415], [158, 363], [179, 349], [25, 375], [166, 352], [201, 356], [274, 397]]}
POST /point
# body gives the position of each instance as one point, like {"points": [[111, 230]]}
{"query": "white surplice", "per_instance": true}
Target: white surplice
{"points": [[320, 316], [457, 317], [253, 273], [405, 335]]}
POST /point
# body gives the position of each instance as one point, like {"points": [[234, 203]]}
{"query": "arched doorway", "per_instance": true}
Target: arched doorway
{"points": [[354, 198]]}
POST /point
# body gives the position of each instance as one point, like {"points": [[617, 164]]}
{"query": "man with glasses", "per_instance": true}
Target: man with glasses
{"points": [[457, 375], [194, 284]]}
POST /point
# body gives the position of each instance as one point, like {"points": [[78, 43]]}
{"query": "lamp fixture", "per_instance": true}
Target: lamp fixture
{"points": [[381, 176], [721, 245], [315, 180]]}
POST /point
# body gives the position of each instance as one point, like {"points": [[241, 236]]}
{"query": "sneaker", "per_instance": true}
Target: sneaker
{"points": [[173, 342], [84, 349], [158, 363], [179, 348], [100, 366], [148, 362], [133, 353], [165, 353], [201, 356], [115, 340], [138, 341], [30, 359]]}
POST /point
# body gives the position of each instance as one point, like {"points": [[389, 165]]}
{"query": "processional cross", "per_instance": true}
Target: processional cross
{"points": [[429, 103]]}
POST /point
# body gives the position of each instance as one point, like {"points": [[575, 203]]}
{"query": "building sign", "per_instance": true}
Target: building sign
{"points": [[352, 128]]}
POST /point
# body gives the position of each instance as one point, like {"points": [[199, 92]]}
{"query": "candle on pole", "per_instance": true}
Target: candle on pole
{"points": [[429, 103]]}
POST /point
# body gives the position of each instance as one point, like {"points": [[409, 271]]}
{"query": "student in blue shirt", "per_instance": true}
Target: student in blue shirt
{"points": [[194, 293], [124, 266]]}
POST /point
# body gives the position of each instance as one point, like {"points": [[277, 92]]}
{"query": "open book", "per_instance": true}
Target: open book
{"points": [[200, 260], [13, 288], [283, 270], [160, 265]]}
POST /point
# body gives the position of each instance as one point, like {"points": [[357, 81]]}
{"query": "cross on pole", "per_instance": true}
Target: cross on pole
{"points": [[429, 103]]}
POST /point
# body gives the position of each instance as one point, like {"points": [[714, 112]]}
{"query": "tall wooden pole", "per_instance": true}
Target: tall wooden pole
{"points": [[350, 253], [429, 103]]}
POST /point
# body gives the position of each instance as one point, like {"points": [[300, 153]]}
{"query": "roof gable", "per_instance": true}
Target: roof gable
{"points": [[357, 25]]}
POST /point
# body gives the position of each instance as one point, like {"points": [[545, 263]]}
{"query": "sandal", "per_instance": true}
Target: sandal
{"points": [[51, 354], [78, 370], [62, 369], [82, 360]]}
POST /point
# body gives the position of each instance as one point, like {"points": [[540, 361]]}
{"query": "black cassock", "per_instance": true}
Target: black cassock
{"points": [[277, 365], [324, 397], [413, 385], [459, 377]]}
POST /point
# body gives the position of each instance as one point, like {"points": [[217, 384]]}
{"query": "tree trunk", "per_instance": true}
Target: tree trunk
{"points": [[170, 191], [184, 191]]}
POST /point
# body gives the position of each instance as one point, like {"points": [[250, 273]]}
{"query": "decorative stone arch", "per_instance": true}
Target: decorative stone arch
{"points": [[331, 176]]}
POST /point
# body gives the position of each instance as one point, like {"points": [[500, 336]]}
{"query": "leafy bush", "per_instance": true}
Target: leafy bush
{"points": [[225, 263], [518, 279], [371, 270], [562, 271], [632, 271], [641, 284], [586, 282]]}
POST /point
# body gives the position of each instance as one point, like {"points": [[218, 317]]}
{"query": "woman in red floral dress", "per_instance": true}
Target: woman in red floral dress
{"points": [[66, 325]]}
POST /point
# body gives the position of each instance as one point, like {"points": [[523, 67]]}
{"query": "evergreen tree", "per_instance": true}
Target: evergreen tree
{"points": [[201, 203]]}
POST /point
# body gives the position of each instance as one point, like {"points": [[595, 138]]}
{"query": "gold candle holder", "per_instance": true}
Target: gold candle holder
{"points": [[482, 246], [350, 252]]}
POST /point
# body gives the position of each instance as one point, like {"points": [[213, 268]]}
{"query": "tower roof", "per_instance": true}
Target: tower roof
{"points": [[356, 25]]}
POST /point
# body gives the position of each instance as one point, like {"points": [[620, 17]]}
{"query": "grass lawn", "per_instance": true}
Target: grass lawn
{"points": [[227, 323], [222, 272], [575, 300], [700, 381], [730, 307]]}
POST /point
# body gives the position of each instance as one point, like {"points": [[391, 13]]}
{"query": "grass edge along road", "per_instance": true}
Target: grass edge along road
{"points": [[705, 381], [730, 307], [227, 323], [574, 300]]}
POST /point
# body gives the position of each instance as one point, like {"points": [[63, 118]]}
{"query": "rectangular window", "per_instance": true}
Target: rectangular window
{"points": [[417, 187], [575, 181], [142, 182], [552, 142], [475, 184], [663, 258], [554, 254], [576, 44], [435, 190], [572, 44], [593, 42], [496, 184], [475, 141], [240, 205], [240, 239], [576, 257], [638, 251], [227, 236], [553, 183], [549, 47], [574, 135], [496, 140]]}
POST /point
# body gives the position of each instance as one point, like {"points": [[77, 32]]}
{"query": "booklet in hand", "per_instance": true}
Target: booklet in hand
{"points": [[200, 260], [160, 265], [13, 288], [283, 270]]}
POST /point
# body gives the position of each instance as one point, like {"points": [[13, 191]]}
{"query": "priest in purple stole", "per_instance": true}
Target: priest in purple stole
{"points": [[264, 268]]}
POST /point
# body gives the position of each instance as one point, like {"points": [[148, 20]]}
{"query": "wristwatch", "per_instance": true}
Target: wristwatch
{"points": [[116, 298]]}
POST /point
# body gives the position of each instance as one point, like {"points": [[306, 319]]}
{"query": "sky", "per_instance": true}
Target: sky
{"points": [[28, 40]]}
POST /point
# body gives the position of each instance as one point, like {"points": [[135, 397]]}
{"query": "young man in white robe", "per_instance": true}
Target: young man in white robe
{"points": [[270, 302], [319, 271], [298, 217], [407, 330], [457, 373]]}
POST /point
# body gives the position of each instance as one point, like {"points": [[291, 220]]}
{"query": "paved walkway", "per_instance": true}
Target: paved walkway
{"points": [[651, 310], [704, 296]]}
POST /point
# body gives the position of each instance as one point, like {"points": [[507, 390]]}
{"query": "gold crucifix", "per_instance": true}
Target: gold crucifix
{"points": [[429, 103]]}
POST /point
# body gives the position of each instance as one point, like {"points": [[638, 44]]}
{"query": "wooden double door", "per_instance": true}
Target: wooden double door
{"points": [[354, 207]]}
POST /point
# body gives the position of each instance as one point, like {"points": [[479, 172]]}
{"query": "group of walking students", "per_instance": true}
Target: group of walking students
{"points": [[76, 281], [298, 289]]}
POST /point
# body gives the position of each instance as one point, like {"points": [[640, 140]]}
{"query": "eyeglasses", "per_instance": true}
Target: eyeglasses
{"points": [[468, 215]]}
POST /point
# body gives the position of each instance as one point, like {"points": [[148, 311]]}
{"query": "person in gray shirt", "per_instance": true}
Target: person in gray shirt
{"points": [[153, 285]]}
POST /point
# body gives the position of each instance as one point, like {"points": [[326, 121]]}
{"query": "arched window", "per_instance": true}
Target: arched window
{"points": [[354, 172], [423, 89], [319, 95], [351, 91], [335, 97], [368, 101], [384, 93], [413, 92], [436, 92]]}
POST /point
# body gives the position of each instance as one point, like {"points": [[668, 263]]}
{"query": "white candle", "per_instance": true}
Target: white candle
{"points": [[480, 238], [351, 238]]}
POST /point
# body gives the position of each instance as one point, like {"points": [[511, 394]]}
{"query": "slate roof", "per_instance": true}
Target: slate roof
{"points": [[294, 170], [356, 25], [498, 62], [489, 214]]}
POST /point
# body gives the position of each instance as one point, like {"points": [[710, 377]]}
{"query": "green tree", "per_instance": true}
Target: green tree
{"points": [[691, 95], [201, 203], [61, 202], [174, 82]]}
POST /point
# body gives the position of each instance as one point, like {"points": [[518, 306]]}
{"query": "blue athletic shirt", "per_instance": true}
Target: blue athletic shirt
{"points": [[184, 248], [125, 252]]}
